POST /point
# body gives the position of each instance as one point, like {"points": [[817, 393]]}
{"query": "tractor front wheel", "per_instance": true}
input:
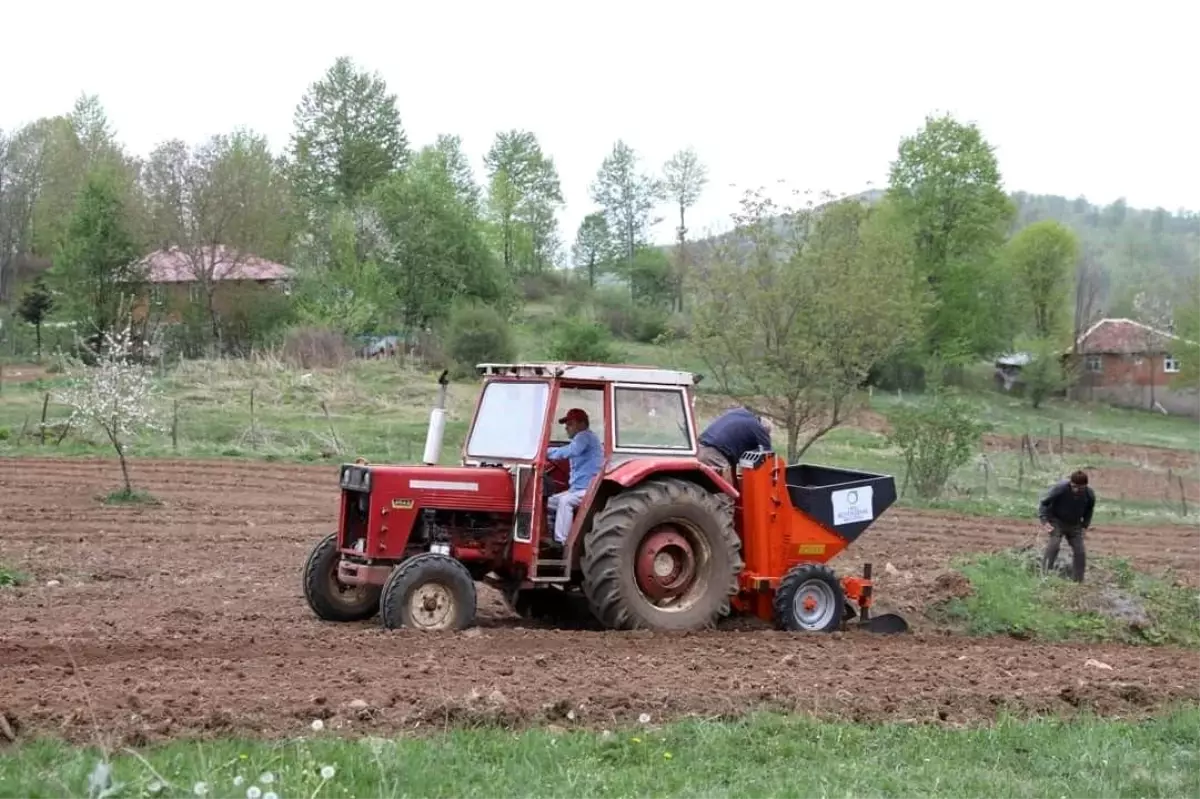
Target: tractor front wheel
{"points": [[429, 592], [662, 555], [329, 598], [810, 599]]}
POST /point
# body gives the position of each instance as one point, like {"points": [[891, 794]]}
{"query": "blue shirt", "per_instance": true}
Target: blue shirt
{"points": [[585, 455], [735, 432]]}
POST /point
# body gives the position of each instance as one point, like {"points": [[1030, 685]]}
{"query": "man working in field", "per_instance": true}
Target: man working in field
{"points": [[1067, 508], [732, 433], [585, 454]]}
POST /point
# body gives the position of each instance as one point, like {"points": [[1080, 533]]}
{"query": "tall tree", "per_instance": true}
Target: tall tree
{"points": [[36, 305], [220, 205], [436, 250], [523, 195], [1042, 258], [447, 150], [627, 197], [593, 248], [96, 272], [73, 146], [348, 137], [947, 183], [22, 168], [684, 178], [792, 317]]}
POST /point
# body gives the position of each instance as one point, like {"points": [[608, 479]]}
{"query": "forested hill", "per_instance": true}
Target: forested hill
{"points": [[1131, 249]]}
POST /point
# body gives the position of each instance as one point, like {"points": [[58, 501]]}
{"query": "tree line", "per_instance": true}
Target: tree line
{"points": [[796, 309]]}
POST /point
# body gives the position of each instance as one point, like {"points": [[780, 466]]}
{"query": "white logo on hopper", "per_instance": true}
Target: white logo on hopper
{"points": [[847, 507]]}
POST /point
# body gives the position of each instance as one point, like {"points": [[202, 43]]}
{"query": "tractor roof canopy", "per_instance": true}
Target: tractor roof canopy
{"points": [[609, 373]]}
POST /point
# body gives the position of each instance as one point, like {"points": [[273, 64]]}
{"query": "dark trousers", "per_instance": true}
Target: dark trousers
{"points": [[1074, 536]]}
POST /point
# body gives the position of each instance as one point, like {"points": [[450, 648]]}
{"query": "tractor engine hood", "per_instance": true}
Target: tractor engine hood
{"points": [[444, 487]]}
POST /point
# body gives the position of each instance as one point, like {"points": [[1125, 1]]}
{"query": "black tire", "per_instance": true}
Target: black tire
{"points": [[815, 581], [611, 546], [330, 599], [451, 594]]}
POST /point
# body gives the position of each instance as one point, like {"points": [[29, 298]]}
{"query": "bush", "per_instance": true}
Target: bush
{"points": [[627, 320], [315, 347], [540, 286], [936, 436], [478, 334], [580, 340]]}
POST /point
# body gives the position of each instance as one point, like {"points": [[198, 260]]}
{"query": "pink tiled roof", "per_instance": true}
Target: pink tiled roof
{"points": [[1123, 336], [181, 266]]}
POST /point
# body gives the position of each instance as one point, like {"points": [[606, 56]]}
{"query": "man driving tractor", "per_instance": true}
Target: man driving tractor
{"points": [[731, 434], [585, 454]]}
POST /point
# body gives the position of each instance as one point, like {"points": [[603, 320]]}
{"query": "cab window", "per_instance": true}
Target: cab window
{"points": [[651, 418]]}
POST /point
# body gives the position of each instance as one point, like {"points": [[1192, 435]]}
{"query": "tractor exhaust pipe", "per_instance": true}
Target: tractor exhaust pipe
{"points": [[437, 424]]}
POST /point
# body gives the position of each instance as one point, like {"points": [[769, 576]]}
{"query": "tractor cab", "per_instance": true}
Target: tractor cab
{"points": [[637, 413]]}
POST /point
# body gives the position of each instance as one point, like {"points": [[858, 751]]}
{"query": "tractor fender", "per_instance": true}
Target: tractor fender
{"points": [[635, 471]]}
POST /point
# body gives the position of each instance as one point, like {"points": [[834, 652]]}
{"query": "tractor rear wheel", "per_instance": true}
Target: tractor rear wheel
{"points": [[810, 599], [329, 598], [428, 592], [662, 555]]}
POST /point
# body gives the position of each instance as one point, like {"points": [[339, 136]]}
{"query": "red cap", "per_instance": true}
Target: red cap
{"points": [[574, 415]]}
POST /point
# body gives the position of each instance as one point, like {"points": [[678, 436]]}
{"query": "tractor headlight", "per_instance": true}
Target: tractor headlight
{"points": [[356, 478]]}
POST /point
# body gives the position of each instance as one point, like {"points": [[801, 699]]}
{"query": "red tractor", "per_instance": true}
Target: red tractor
{"points": [[660, 541]]}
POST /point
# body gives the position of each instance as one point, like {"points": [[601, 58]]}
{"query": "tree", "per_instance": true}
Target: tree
{"points": [[1042, 259], [684, 178], [97, 272], [117, 395], [36, 305], [348, 138], [447, 151], [626, 197], [523, 196], [946, 182], [221, 204], [795, 308], [593, 248], [935, 436], [22, 167], [1187, 326], [437, 251]]}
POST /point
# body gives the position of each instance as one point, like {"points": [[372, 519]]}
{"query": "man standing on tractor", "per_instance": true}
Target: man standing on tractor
{"points": [[585, 454], [1067, 508], [734, 432]]}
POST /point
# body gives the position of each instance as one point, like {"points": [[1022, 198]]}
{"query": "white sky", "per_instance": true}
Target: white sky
{"points": [[1078, 98]]}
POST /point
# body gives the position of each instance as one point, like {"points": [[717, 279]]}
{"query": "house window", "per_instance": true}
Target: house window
{"points": [[1094, 363], [158, 296], [194, 292], [1170, 364]]}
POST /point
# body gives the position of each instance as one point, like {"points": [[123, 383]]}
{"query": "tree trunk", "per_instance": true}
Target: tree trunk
{"points": [[793, 445], [38, 332]]}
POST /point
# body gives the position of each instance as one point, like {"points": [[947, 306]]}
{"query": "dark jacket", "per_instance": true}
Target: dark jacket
{"points": [[735, 432], [1061, 506]]}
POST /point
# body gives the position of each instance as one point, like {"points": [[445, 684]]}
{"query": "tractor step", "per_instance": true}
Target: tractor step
{"points": [[551, 571]]}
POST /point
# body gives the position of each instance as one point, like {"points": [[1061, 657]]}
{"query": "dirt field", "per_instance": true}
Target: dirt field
{"points": [[187, 619]]}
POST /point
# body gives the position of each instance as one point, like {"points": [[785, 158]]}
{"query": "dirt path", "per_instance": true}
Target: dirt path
{"points": [[187, 618]]}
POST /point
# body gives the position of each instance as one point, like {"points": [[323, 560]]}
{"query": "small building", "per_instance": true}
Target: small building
{"points": [[1131, 364], [177, 277]]}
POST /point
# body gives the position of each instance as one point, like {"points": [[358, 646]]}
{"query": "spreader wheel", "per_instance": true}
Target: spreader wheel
{"points": [[810, 599], [661, 555], [428, 592], [329, 598]]}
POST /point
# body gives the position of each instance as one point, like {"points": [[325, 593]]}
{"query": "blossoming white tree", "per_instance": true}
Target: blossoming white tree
{"points": [[117, 395]]}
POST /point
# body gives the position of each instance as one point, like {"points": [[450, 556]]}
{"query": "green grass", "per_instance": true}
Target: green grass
{"points": [[380, 409], [11, 577], [130, 497], [757, 756], [1010, 596]]}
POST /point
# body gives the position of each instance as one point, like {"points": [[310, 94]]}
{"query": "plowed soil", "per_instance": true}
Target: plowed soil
{"points": [[187, 619]]}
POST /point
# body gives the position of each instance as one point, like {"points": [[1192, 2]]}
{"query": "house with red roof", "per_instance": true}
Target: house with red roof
{"points": [[1128, 363], [179, 276]]}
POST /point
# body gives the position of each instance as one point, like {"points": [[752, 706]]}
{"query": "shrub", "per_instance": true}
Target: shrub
{"points": [[545, 284], [315, 347], [478, 334], [936, 436], [580, 340], [627, 320]]}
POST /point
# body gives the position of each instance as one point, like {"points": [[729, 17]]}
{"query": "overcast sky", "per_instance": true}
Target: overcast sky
{"points": [[1078, 98]]}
